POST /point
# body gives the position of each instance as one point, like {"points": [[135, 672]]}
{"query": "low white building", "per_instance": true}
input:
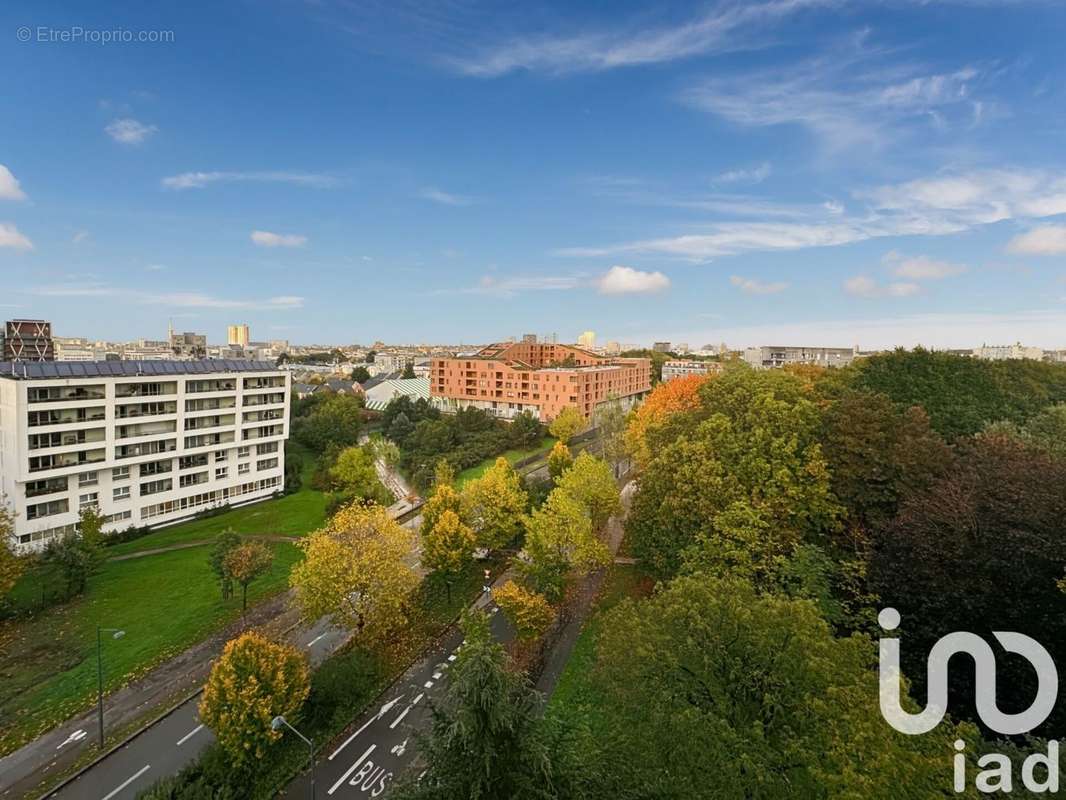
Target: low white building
{"points": [[772, 357], [379, 395], [1008, 352], [147, 442], [678, 369]]}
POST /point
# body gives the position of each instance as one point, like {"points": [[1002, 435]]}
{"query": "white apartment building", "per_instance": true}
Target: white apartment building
{"points": [[147, 442], [678, 369], [772, 357]]}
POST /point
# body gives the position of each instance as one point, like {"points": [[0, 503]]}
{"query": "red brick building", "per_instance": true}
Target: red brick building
{"points": [[510, 378]]}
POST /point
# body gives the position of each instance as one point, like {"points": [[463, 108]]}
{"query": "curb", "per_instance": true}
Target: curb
{"points": [[118, 746]]}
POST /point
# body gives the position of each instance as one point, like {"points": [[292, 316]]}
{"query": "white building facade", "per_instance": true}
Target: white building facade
{"points": [[148, 443], [679, 369]]}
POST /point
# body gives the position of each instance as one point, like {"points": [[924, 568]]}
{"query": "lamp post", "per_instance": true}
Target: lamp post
{"points": [[277, 724], [115, 634]]}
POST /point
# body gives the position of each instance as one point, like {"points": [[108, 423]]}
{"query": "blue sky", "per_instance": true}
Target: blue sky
{"points": [[798, 171]]}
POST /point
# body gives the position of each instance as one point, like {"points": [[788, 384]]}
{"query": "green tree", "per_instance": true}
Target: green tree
{"points": [[75, 559], [12, 566], [711, 690], [494, 505], [559, 460], [528, 612], [611, 428], [91, 527], [448, 548], [336, 419], [253, 681], [591, 482], [525, 431], [567, 424], [485, 743], [753, 440], [224, 542], [401, 428], [444, 498], [409, 369], [560, 540], [355, 473], [246, 562], [360, 374]]}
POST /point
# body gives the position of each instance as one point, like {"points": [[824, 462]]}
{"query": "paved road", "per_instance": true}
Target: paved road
{"points": [[381, 745], [173, 742]]}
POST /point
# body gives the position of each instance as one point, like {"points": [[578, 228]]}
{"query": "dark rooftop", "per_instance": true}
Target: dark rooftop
{"points": [[29, 370]]}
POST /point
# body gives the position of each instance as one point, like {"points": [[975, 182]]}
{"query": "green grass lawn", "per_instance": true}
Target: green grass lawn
{"points": [[164, 602], [476, 471], [574, 693], [292, 515]]}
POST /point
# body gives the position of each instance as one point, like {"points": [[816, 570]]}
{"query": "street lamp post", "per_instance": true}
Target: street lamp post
{"points": [[115, 634], [277, 724]]}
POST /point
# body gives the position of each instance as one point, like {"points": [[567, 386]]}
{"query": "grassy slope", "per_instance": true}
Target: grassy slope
{"points": [[574, 693], [512, 456], [164, 602]]}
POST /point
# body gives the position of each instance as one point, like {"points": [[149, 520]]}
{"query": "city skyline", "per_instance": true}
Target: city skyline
{"points": [[786, 171]]}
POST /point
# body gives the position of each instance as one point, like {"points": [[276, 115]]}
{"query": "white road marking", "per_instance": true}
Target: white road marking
{"points": [[427, 685], [127, 782], [77, 736], [415, 701], [190, 734], [312, 642], [451, 658], [399, 719], [436, 676], [399, 749], [384, 710], [351, 769]]}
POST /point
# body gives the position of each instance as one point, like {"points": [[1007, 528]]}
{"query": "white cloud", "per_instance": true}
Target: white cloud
{"points": [[944, 204], [865, 286], [171, 299], [268, 239], [1049, 240], [921, 268], [79, 236], [200, 180], [846, 99], [734, 26], [753, 286], [511, 286], [10, 236], [9, 186], [756, 174], [626, 280], [444, 198], [155, 268], [129, 131]]}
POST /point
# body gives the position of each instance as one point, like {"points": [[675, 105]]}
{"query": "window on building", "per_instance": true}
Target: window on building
{"points": [[88, 479], [221, 472], [88, 500], [244, 469], [244, 452], [221, 455], [120, 493], [120, 473]]}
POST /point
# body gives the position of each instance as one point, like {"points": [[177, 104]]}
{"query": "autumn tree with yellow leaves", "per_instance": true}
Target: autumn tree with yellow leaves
{"points": [[355, 570], [529, 612], [559, 460], [246, 562], [591, 482], [448, 548], [253, 681], [494, 505], [11, 565], [568, 423], [559, 541]]}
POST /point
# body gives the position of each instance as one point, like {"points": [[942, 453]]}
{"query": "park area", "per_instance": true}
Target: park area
{"points": [[543, 447], [164, 601]]}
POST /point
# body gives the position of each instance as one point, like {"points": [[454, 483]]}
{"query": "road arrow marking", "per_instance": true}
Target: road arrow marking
{"points": [[384, 710]]}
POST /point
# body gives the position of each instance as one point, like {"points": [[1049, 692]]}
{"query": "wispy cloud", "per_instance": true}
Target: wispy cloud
{"points": [[845, 99], [921, 268], [129, 131], [1049, 240], [9, 186], [943, 204], [756, 174], [444, 198], [727, 28], [512, 286], [10, 236], [865, 286], [79, 236], [171, 299], [201, 180], [269, 239], [753, 286], [626, 280]]}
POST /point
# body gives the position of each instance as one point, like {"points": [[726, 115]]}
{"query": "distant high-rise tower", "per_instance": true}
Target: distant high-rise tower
{"points": [[587, 339], [27, 340], [530, 338], [238, 335]]}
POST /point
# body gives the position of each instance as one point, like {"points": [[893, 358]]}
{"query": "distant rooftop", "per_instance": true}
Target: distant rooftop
{"points": [[35, 370]]}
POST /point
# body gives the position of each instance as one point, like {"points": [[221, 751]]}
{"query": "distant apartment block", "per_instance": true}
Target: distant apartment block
{"points": [[507, 379], [27, 340], [146, 442], [661, 347], [773, 357], [587, 340], [679, 369], [238, 335], [1009, 352]]}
